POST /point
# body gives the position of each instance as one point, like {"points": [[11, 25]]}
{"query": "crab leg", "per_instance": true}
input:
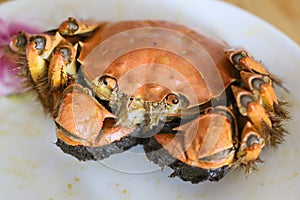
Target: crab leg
{"points": [[19, 43], [258, 102], [262, 87], [37, 65], [251, 145], [38, 51], [249, 106], [62, 66], [243, 61], [73, 26]]}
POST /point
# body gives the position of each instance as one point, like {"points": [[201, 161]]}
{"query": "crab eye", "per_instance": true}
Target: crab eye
{"points": [[172, 99], [251, 140], [109, 82], [176, 102], [39, 42]]}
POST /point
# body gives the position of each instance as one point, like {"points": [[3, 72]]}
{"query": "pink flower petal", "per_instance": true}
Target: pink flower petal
{"points": [[8, 82]]}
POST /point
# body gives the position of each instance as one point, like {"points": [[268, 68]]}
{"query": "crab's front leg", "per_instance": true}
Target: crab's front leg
{"points": [[86, 129]]}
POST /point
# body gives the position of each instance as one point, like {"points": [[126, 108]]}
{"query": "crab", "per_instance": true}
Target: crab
{"points": [[196, 104]]}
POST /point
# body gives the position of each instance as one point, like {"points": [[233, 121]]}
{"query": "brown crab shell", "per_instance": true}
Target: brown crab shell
{"points": [[170, 56]]}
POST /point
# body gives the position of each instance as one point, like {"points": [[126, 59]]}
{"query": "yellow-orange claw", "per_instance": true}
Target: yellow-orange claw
{"points": [[81, 120], [251, 145], [262, 87], [73, 26]]}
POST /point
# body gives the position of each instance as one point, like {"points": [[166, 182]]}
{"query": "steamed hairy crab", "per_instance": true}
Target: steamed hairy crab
{"points": [[195, 104]]}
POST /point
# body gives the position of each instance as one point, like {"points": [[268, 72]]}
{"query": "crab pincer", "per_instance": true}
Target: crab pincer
{"points": [[85, 128]]}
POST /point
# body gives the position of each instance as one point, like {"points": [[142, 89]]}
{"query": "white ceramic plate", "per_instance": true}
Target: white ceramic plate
{"points": [[32, 167]]}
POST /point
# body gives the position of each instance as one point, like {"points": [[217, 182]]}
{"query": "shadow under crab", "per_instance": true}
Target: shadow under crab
{"points": [[84, 153]]}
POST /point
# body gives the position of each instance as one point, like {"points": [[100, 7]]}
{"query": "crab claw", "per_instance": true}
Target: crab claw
{"points": [[207, 142], [75, 27], [81, 120]]}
